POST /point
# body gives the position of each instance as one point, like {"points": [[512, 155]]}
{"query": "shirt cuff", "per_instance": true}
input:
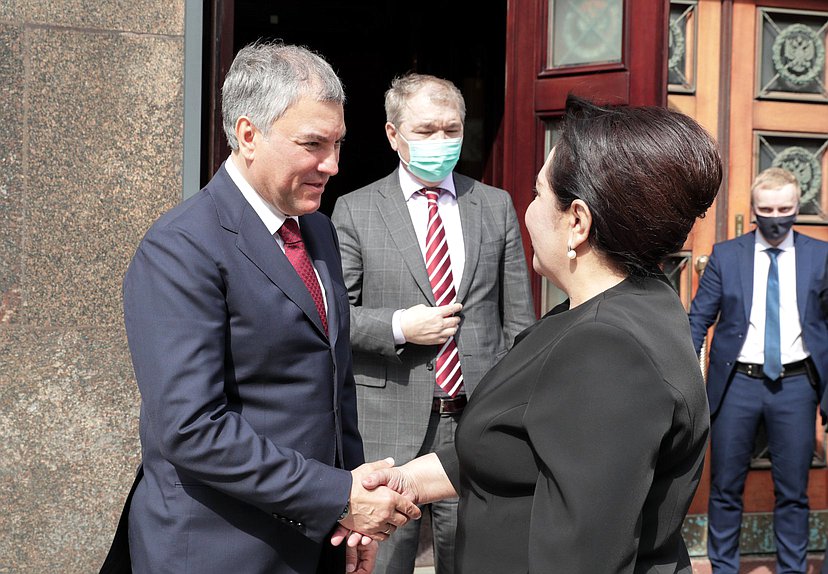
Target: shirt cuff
{"points": [[399, 338]]}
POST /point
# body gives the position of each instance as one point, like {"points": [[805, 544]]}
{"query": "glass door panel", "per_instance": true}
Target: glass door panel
{"points": [[584, 32], [550, 295], [681, 42]]}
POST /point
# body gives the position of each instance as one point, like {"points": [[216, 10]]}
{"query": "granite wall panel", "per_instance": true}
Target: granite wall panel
{"points": [[91, 109], [11, 171], [104, 161], [68, 430], [144, 16]]}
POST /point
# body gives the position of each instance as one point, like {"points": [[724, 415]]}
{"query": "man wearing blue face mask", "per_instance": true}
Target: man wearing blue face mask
{"points": [[768, 362], [438, 287]]}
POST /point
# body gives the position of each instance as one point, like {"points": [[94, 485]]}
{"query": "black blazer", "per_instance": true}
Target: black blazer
{"points": [[581, 450]]}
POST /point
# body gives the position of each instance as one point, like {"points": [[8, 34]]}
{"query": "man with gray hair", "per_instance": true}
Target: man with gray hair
{"points": [[237, 319], [438, 289]]}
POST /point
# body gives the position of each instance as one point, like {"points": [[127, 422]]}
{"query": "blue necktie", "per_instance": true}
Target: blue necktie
{"points": [[773, 355]]}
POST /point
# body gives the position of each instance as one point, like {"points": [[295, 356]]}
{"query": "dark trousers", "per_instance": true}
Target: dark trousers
{"points": [[332, 559], [788, 408]]}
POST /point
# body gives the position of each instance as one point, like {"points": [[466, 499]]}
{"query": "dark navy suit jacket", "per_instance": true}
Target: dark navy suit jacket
{"points": [[726, 292], [247, 407]]}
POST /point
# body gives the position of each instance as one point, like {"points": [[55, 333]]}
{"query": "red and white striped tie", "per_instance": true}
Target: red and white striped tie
{"points": [[438, 265]]}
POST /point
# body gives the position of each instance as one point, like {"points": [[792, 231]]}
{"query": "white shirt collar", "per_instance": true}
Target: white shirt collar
{"points": [[762, 243], [410, 186], [270, 216]]}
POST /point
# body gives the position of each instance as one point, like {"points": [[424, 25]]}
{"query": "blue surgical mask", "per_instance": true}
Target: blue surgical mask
{"points": [[432, 160]]}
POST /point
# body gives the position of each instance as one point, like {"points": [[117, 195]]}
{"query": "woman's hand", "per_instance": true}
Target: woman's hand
{"points": [[396, 478], [421, 480]]}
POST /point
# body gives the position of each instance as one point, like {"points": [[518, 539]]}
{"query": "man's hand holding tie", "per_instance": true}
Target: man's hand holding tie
{"points": [[425, 325]]}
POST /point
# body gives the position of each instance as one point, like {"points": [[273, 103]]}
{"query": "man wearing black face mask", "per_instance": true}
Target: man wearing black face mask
{"points": [[768, 362]]}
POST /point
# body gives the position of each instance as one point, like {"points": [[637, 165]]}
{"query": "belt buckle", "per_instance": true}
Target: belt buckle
{"points": [[448, 405], [754, 370], [443, 406]]}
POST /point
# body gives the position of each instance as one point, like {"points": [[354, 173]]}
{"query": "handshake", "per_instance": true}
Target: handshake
{"points": [[383, 498]]}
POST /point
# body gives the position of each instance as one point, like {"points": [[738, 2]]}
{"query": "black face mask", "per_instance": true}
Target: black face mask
{"points": [[774, 228]]}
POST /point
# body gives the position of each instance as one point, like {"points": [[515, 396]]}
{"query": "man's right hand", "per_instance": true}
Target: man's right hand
{"points": [[377, 512], [424, 325]]}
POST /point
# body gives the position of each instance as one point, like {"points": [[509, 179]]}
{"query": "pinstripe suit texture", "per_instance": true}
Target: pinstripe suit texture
{"points": [[384, 271]]}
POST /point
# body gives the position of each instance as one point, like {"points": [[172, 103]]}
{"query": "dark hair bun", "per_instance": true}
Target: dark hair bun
{"points": [[646, 174]]}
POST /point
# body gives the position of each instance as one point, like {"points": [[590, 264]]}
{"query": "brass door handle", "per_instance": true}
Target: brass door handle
{"points": [[701, 263]]}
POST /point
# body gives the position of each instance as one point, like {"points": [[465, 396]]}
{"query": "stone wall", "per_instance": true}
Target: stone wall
{"points": [[91, 114]]}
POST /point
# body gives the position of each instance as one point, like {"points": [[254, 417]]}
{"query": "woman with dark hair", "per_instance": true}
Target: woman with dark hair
{"points": [[581, 450]]}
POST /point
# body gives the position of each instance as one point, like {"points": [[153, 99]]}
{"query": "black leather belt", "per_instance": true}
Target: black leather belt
{"points": [[755, 370], [448, 406]]}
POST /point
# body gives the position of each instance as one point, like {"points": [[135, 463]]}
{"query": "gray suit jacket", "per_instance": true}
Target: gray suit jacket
{"points": [[384, 271]]}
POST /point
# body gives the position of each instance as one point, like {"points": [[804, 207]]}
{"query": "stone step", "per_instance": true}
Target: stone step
{"points": [[757, 565]]}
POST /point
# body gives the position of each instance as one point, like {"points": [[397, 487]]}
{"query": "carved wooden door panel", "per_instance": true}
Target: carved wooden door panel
{"points": [[600, 49], [754, 74]]}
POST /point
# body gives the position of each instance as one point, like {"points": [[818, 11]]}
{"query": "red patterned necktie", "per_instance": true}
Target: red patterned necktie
{"points": [[438, 265], [298, 257]]}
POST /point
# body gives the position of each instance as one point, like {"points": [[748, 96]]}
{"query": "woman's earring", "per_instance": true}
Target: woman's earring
{"points": [[570, 252]]}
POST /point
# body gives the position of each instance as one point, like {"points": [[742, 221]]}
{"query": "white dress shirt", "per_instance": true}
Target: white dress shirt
{"points": [[790, 329], [270, 216], [450, 214]]}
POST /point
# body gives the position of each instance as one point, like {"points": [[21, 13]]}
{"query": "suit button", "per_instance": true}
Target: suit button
{"points": [[430, 365]]}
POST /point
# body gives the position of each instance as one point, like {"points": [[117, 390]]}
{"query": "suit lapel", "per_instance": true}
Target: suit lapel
{"points": [[471, 222], [394, 213], [262, 250], [746, 260], [803, 272]]}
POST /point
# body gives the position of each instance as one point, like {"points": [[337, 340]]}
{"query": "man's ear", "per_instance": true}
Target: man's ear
{"points": [[391, 134], [246, 136]]}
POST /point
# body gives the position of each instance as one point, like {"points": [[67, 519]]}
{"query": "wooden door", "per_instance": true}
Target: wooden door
{"points": [[753, 73], [694, 80], [715, 59], [778, 117], [600, 49]]}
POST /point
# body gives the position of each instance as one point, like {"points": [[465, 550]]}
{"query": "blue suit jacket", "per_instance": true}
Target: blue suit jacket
{"points": [[247, 407], [726, 292]]}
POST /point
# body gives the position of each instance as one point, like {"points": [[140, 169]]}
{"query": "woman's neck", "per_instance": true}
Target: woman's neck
{"points": [[590, 277]]}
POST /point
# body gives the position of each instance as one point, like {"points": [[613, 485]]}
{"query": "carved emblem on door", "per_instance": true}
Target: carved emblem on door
{"points": [[798, 55]]}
